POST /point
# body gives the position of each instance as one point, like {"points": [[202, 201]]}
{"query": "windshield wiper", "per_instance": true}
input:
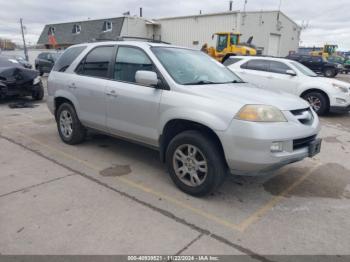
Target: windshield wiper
{"points": [[201, 82]]}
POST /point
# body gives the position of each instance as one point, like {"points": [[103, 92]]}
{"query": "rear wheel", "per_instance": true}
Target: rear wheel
{"points": [[195, 163], [329, 72], [318, 102], [70, 129]]}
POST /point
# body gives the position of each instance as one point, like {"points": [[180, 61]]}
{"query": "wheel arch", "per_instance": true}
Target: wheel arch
{"points": [[63, 97], [176, 126], [310, 90]]}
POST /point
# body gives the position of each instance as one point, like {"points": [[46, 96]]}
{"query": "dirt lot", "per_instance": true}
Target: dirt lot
{"points": [[107, 196]]}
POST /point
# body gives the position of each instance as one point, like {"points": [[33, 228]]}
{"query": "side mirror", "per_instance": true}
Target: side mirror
{"points": [[147, 78], [291, 72]]}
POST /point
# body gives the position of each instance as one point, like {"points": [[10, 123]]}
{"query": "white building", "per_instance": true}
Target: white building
{"points": [[274, 33]]}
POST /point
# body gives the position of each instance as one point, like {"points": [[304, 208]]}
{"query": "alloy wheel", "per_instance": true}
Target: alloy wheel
{"points": [[190, 165], [314, 102], [66, 123]]}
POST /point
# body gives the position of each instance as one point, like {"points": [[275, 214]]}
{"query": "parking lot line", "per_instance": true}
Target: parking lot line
{"points": [[274, 201], [241, 227]]}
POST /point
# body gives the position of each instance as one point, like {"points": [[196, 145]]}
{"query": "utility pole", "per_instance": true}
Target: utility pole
{"points": [[24, 41]]}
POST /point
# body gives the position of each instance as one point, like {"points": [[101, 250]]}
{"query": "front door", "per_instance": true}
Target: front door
{"points": [[133, 109]]}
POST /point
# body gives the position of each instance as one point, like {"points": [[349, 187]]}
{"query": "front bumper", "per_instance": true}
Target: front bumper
{"points": [[247, 145], [340, 102]]}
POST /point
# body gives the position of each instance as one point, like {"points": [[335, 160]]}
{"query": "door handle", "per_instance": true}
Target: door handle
{"points": [[112, 93], [72, 86]]}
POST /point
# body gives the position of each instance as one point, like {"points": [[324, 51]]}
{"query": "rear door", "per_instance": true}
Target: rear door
{"points": [[133, 109], [89, 85], [255, 71]]}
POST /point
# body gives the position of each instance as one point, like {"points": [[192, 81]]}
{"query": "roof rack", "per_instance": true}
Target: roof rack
{"points": [[143, 39], [130, 38]]}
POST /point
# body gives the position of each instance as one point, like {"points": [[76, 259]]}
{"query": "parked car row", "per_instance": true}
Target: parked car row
{"points": [[204, 120], [284, 75]]}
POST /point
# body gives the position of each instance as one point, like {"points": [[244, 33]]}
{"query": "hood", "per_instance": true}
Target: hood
{"points": [[243, 94], [330, 81]]}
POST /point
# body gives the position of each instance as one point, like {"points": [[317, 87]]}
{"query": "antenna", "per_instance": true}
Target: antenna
{"points": [[231, 4]]}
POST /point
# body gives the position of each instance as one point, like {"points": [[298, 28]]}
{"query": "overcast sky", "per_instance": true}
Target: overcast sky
{"points": [[328, 19]]}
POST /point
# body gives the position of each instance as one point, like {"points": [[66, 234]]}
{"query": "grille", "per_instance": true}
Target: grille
{"points": [[303, 142], [304, 116]]}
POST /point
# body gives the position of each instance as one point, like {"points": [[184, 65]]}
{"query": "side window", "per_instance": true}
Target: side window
{"points": [[317, 59], [231, 60], [65, 60], [278, 67], [42, 56], [257, 64], [130, 60], [97, 62], [221, 42]]}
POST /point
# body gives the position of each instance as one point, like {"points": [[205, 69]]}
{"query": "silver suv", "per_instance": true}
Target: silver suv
{"points": [[203, 119]]}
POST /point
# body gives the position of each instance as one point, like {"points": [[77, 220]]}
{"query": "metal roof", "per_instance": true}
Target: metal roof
{"points": [[90, 30]]}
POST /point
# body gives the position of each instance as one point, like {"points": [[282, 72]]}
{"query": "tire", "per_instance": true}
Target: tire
{"points": [[208, 151], [69, 127], [329, 72], [41, 73], [318, 101], [38, 94]]}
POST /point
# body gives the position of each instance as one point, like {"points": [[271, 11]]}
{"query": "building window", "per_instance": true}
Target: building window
{"points": [[107, 26], [51, 30], [76, 29]]}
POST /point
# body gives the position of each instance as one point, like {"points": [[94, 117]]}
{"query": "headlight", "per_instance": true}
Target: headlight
{"points": [[260, 113], [339, 66], [36, 80], [341, 88]]}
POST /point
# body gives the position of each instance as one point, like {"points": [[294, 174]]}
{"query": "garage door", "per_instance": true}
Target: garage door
{"points": [[274, 45]]}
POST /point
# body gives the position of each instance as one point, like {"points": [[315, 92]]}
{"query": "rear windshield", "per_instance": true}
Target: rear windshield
{"points": [[231, 60], [65, 60]]}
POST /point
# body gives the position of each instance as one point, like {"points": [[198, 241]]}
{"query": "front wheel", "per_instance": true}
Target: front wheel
{"points": [[38, 93], [195, 163], [318, 102], [70, 129]]}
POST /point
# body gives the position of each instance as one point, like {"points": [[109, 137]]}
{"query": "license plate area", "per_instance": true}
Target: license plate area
{"points": [[315, 147]]}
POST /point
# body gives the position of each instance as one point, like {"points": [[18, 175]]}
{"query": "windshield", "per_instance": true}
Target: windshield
{"points": [[191, 67], [303, 69]]}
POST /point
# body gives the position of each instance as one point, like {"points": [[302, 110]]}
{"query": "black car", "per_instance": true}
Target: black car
{"points": [[45, 62], [15, 80], [317, 64]]}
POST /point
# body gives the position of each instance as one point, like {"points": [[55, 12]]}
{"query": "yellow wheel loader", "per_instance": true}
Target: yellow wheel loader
{"points": [[228, 44], [326, 51]]}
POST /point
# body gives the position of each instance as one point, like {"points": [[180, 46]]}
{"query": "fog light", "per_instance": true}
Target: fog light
{"points": [[340, 101], [276, 147]]}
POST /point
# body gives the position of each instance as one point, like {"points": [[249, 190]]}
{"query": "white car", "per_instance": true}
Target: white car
{"points": [[284, 75]]}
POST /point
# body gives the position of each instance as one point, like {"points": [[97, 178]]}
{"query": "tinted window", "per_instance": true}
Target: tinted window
{"points": [[130, 60], [97, 62], [67, 58], [231, 61], [43, 56], [278, 67], [316, 59], [256, 64]]}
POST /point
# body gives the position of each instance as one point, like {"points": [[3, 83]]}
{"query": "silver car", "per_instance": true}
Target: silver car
{"points": [[204, 120]]}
